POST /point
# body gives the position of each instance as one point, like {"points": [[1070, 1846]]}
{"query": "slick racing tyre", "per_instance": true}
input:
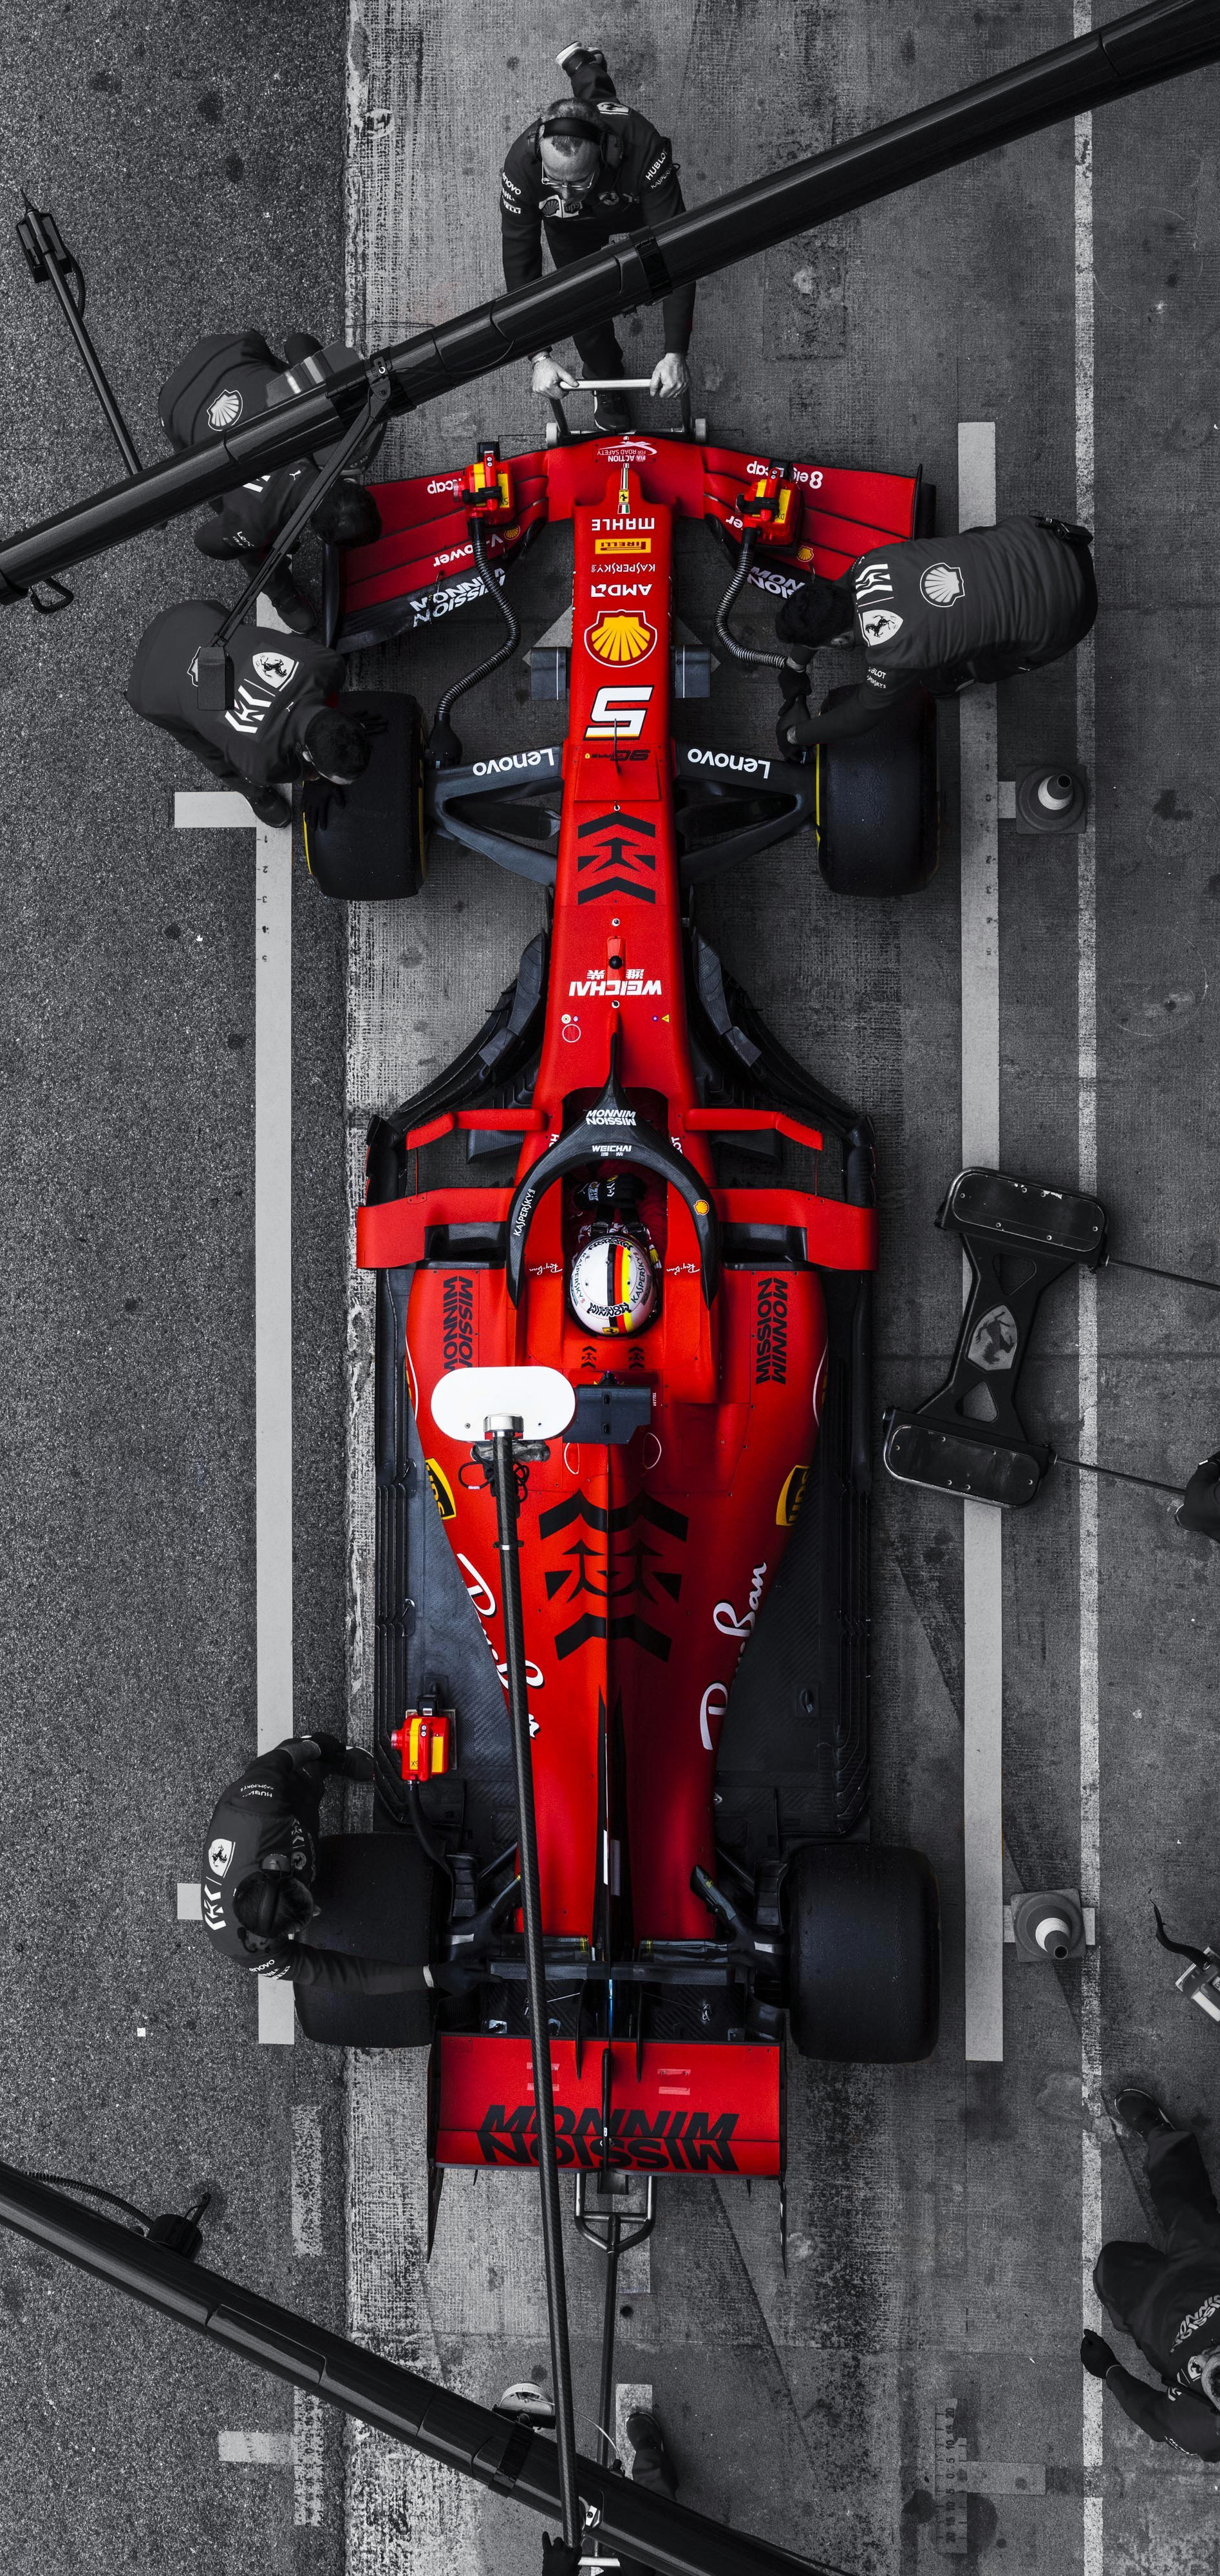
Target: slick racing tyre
{"points": [[365, 843], [877, 805], [863, 1954], [377, 1896]]}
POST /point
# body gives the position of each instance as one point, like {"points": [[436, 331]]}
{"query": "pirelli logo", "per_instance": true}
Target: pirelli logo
{"points": [[622, 545]]}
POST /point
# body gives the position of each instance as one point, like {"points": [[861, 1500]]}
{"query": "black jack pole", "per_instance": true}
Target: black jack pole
{"points": [[502, 1476], [1153, 44], [493, 2449]]}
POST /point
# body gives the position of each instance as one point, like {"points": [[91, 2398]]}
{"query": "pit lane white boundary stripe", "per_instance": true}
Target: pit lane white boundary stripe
{"points": [[983, 1659], [218, 809], [1094, 2125]]}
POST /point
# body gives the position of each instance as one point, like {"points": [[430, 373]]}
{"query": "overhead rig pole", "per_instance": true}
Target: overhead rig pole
{"points": [[495, 2450], [1156, 43]]}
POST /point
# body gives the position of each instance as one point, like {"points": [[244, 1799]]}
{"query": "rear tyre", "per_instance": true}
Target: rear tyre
{"points": [[863, 1954], [378, 1899], [365, 843], [878, 828]]}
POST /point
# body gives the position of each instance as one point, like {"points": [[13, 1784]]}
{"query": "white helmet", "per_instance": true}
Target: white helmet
{"points": [[611, 1284]]}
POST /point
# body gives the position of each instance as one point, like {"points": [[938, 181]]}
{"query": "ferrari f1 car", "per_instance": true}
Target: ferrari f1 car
{"points": [[625, 1178]]}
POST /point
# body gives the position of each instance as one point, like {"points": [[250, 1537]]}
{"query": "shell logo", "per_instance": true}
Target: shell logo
{"points": [[620, 635]]}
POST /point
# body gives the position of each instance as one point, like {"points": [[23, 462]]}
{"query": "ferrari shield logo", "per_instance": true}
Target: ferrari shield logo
{"points": [[220, 1853], [442, 1491], [275, 670], [620, 636], [993, 1343], [878, 625]]}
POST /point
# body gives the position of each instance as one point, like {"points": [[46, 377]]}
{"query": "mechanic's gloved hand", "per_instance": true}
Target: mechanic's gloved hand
{"points": [[549, 377], [557, 2558], [349, 1759], [454, 1976], [1096, 2355], [1201, 1508], [671, 375]]}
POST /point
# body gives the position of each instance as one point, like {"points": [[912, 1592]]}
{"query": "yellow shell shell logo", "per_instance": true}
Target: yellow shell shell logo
{"points": [[791, 1497], [442, 1490], [620, 635]]}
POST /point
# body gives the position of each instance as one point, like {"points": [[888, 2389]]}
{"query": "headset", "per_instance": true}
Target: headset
{"points": [[604, 125]]}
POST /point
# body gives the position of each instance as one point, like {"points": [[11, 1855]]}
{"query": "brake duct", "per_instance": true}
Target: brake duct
{"points": [[1153, 44]]}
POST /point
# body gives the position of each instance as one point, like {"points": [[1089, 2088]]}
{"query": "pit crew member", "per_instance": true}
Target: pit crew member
{"points": [[258, 1871], [938, 613], [589, 169], [281, 722], [223, 380], [1169, 2303]]}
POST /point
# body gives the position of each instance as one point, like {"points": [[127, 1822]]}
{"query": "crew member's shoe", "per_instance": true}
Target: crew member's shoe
{"points": [[1142, 2112], [612, 415], [271, 808], [290, 603], [652, 2465], [527, 2405]]}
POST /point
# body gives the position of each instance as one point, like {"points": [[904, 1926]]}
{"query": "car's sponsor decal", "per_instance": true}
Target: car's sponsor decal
{"points": [[618, 859], [810, 475], [620, 589], [621, 635], [611, 529], [791, 1496], [442, 1490], [664, 2142], [740, 1624], [632, 986], [942, 584], [512, 760], [457, 1324], [713, 1704], [771, 1332], [746, 763]]}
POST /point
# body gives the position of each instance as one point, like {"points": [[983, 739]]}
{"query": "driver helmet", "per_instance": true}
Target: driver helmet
{"points": [[612, 1283], [1203, 2372]]}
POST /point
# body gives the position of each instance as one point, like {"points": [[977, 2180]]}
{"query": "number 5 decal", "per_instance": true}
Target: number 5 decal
{"points": [[618, 710]]}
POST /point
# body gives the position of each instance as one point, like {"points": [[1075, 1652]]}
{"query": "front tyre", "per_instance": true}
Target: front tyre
{"points": [[863, 1954], [365, 843]]}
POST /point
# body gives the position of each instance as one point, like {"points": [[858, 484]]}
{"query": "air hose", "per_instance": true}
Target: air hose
{"points": [[444, 748], [743, 652]]}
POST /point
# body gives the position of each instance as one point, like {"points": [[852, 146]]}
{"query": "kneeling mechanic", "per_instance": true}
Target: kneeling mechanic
{"points": [[281, 722], [224, 380], [937, 613], [259, 1864]]}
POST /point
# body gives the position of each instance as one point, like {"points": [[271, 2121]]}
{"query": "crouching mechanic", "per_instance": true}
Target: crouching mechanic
{"points": [[221, 381], [588, 170], [937, 613], [1168, 2303], [259, 1862], [281, 723]]}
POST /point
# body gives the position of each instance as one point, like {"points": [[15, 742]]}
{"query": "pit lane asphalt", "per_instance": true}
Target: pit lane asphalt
{"points": [[935, 2214], [194, 162]]}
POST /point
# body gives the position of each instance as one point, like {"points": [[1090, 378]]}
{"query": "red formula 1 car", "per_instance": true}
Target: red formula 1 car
{"points": [[626, 1179]]}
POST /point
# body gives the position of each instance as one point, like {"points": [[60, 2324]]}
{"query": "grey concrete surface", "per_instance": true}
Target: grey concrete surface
{"points": [[935, 2219], [193, 162]]}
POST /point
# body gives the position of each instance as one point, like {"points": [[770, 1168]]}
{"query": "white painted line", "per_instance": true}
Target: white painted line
{"points": [[982, 1524], [1095, 2124], [306, 2178], [212, 809], [218, 809], [255, 2450], [190, 1901], [629, 2396], [306, 2460]]}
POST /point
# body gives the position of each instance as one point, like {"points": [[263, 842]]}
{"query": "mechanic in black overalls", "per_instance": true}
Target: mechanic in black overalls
{"points": [[1168, 2303], [258, 1872], [281, 722], [938, 613], [588, 169], [224, 380]]}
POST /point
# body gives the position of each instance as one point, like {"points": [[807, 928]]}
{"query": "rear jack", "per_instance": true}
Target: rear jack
{"points": [[614, 2230]]}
